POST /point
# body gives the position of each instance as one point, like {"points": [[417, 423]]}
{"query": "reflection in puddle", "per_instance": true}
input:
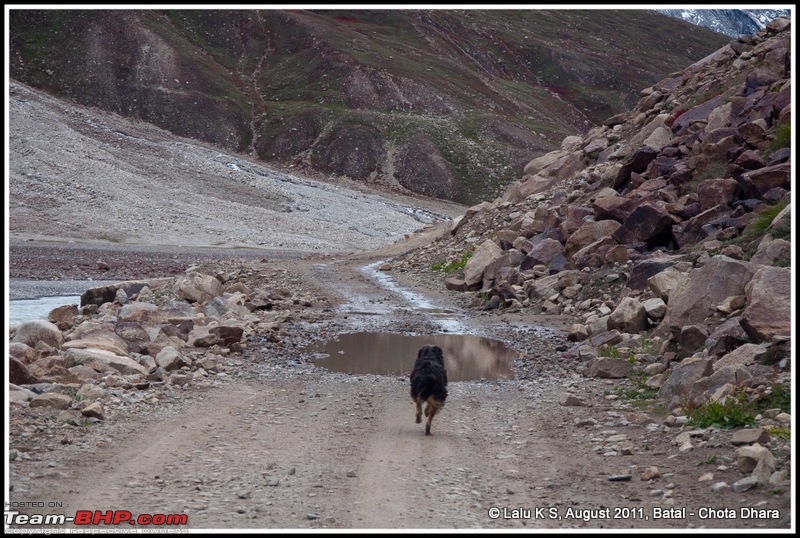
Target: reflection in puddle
{"points": [[466, 357]]}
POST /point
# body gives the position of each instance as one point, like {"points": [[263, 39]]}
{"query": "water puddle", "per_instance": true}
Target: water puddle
{"points": [[467, 357]]}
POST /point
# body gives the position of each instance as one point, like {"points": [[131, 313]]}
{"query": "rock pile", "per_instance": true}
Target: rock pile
{"points": [[136, 341], [665, 231]]}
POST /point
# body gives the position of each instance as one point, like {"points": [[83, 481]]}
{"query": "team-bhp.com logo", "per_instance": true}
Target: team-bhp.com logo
{"points": [[94, 517]]}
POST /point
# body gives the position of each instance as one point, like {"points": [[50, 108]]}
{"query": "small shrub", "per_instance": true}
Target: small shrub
{"points": [[783, 137], [452, 267], [762, 222], [608, 351], [749, 239], [72, 392], [781, 432], [638, 390], [779, 397], [734, 412]]}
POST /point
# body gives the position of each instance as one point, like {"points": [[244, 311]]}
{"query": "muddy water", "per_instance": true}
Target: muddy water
{"points": [[466, 357]]}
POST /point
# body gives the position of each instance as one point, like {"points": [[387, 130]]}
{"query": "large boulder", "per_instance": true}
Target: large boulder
{"points": [[542, 253], [140, 313], [539, 220], [649, 223], [637, 162], [170, 359], [99, 295], [32, 332], [772, 252], [713, 192], [52, 369], [629, 316], [530, 184], [22, 352], [744, 355], [758, 182], [769, 304], [608, 367], [696, 297], [588, 233], [486, 253], [109, 342], [613, 207], [540, 163], [63, 316], [103, 361], [665, 282], [678, 386], [197, 287], [52, 400], [705, 387], [19, 374]]}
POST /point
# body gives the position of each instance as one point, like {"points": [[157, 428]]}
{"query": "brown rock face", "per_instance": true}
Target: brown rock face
{"points": [[648, 223], [588, 233], [19, 374], [769, 304], [697, 295], [32, 332]]}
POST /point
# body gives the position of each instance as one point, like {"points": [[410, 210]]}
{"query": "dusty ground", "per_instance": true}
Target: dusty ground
{"points": [[279, 443]]}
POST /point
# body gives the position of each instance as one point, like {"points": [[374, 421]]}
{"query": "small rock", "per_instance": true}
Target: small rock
{"points": [[94, 410], [572, 401], [585, 422], [784, 418], [720, 486], [311, 516], [650, 473], [52, 400], [744, 484], [749, 436], [273, 482], [620, 478], [707, 477]]}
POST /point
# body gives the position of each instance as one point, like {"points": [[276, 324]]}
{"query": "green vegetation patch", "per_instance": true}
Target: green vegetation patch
{"points": [[734, 412], [452, 267]]}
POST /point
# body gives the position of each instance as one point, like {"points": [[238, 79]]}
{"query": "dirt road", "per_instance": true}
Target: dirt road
{"points": [[281, 444]]}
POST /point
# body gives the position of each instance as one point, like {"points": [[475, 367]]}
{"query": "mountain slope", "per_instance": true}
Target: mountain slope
{"points": [[444, 103]]}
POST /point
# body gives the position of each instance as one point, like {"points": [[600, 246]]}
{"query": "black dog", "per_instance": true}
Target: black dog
{"points": [[429, 383]]}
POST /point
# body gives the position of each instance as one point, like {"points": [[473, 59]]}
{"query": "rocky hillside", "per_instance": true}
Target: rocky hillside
{"points": [[665, 232], [445, 103]]}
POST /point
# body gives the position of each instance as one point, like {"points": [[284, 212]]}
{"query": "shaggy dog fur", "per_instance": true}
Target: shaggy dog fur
{"points": [[429, 383]]}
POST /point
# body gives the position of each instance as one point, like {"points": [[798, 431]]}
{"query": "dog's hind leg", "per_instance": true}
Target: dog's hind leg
{"points": [[430, 411], [419, 410]]}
